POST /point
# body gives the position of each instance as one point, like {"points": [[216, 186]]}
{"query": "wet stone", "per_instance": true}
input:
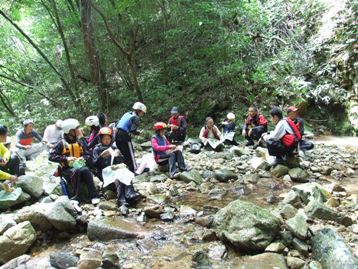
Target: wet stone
{"points": [[63, 260]]}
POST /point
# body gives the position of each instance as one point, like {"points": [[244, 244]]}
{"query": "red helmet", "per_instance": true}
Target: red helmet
{"points": [[159, 125], [105, 131]]}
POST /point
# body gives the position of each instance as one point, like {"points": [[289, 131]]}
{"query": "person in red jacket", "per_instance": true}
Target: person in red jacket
{"points": [[165, 153], [178, 126], [255, 125]]}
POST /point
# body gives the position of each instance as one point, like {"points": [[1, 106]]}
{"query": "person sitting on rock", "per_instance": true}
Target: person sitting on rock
{"points": [[73, 156], [93, 139], [102, 158], [178, 127], [166, 153], [26, 149], [228, 126], [292, 113], [282, 141], [255, 125], [210, 136], [52, 134], [9, 164]]}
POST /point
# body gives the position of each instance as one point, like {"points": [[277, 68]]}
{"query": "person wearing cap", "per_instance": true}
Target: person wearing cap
{"points": [[73, 157], [177, 125], [255, 125], [166, 153], [9, 164], [282, 141], [126, 127], [26, 149], [228, 127], [52, 134], [292, 113]]}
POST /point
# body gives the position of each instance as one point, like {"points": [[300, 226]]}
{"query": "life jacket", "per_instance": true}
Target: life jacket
{"points": [[72, 150], [177, 121], [289, 140], [161, 141], [125, 122], [206, 132]]}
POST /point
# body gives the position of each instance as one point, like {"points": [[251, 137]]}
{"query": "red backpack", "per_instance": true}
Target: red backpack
{"points": [[289, 140]]}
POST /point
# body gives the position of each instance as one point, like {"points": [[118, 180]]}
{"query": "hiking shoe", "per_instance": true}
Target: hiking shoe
{"points": [[175, 176]]}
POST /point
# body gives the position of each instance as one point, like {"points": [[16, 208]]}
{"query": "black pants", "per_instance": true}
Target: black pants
{"points": [[306, 145], [171, 159], [124, 144], [276, 148], [79, 176], [176, 137], [13, 166], [256, 132]]}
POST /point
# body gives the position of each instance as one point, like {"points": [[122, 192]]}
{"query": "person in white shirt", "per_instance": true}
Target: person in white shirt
{"points": [[53, 134], [210, 135], [280, 142]]}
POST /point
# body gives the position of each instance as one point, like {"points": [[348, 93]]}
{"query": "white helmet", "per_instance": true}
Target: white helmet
{"points": [[140, 106], [230, 116], [69, 124], [59, 123], [92, 120]]}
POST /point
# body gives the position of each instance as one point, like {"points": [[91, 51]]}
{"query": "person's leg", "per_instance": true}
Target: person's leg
{"points": [[275, 148], [86, 177], [258, 131], [126, 149], [172, 164], [180, 160], [120, 188], [131, 195], [306, 145], [35, 150], [22, 166], [250, 142], [13, 165]]}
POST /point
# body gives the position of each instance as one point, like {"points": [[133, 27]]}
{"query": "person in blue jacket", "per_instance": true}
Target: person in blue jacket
{"points": [[126, 127]]}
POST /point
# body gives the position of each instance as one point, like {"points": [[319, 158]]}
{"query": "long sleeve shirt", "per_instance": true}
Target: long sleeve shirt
{"points": [[23, 139], [213, 133], [52, 134], [281, 129], [5, 155]]}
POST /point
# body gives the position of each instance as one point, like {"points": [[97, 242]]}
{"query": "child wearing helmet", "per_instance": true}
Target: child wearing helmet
{"points": [[127, 126], [93, 123], [228, 127], [102, 158], [165, 153], [72, 154]]}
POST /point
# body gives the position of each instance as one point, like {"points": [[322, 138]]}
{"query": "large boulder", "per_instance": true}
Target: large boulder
{"points": [[298, 225], [224, 175], [10, 199], [298, 175], [32, 185], [36, 214], [313, 190], [61, 214], [16, 241], [246, 225], [18, 262], [331, 251], [63, 260], [190, 176], [113, 228], [261, 261]]}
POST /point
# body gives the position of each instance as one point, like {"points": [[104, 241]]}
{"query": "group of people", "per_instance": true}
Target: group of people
{"points": [[80, 157]]}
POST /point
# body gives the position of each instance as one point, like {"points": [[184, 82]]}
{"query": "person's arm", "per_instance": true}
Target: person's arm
{"points": [[159, 148], [302, 126], [278, 133], [37, 136], [56, 154], [46, 134], [134, 125], [18, 139], [217, 131], [182, 125], [201, 135], [93, 143], [97, 155]]}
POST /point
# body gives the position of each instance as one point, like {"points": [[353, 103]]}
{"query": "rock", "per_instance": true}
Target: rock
{"points": [[6, 223], [259, 163], [316, 209], [205, 221], [276, 247], [251, 178], [146, 145], [167, 216], [298, 175], [16, 263], [287, 237], [158, 178], [314, 265], [154, 211], [246, 225], [113, 228], [63, 260], [90, 260], [293, 162], [288, 211], [313, 190], [261, 261], [110, 259], [201, 259], [186, 211], [298, 225], [16, 241], [293, 198], [224, 175], [32, 185], [300, 245], [217, 251], [217, 194], [279, 170], [333, 202], [239, 151], [295, 263], [37, 215], [10, 199], [331, 251], [108, 205], [190, 176], [326, 170], [62, 215]]}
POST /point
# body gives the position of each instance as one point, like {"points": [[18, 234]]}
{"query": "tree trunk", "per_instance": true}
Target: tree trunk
{"points": [[7, 104]]}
